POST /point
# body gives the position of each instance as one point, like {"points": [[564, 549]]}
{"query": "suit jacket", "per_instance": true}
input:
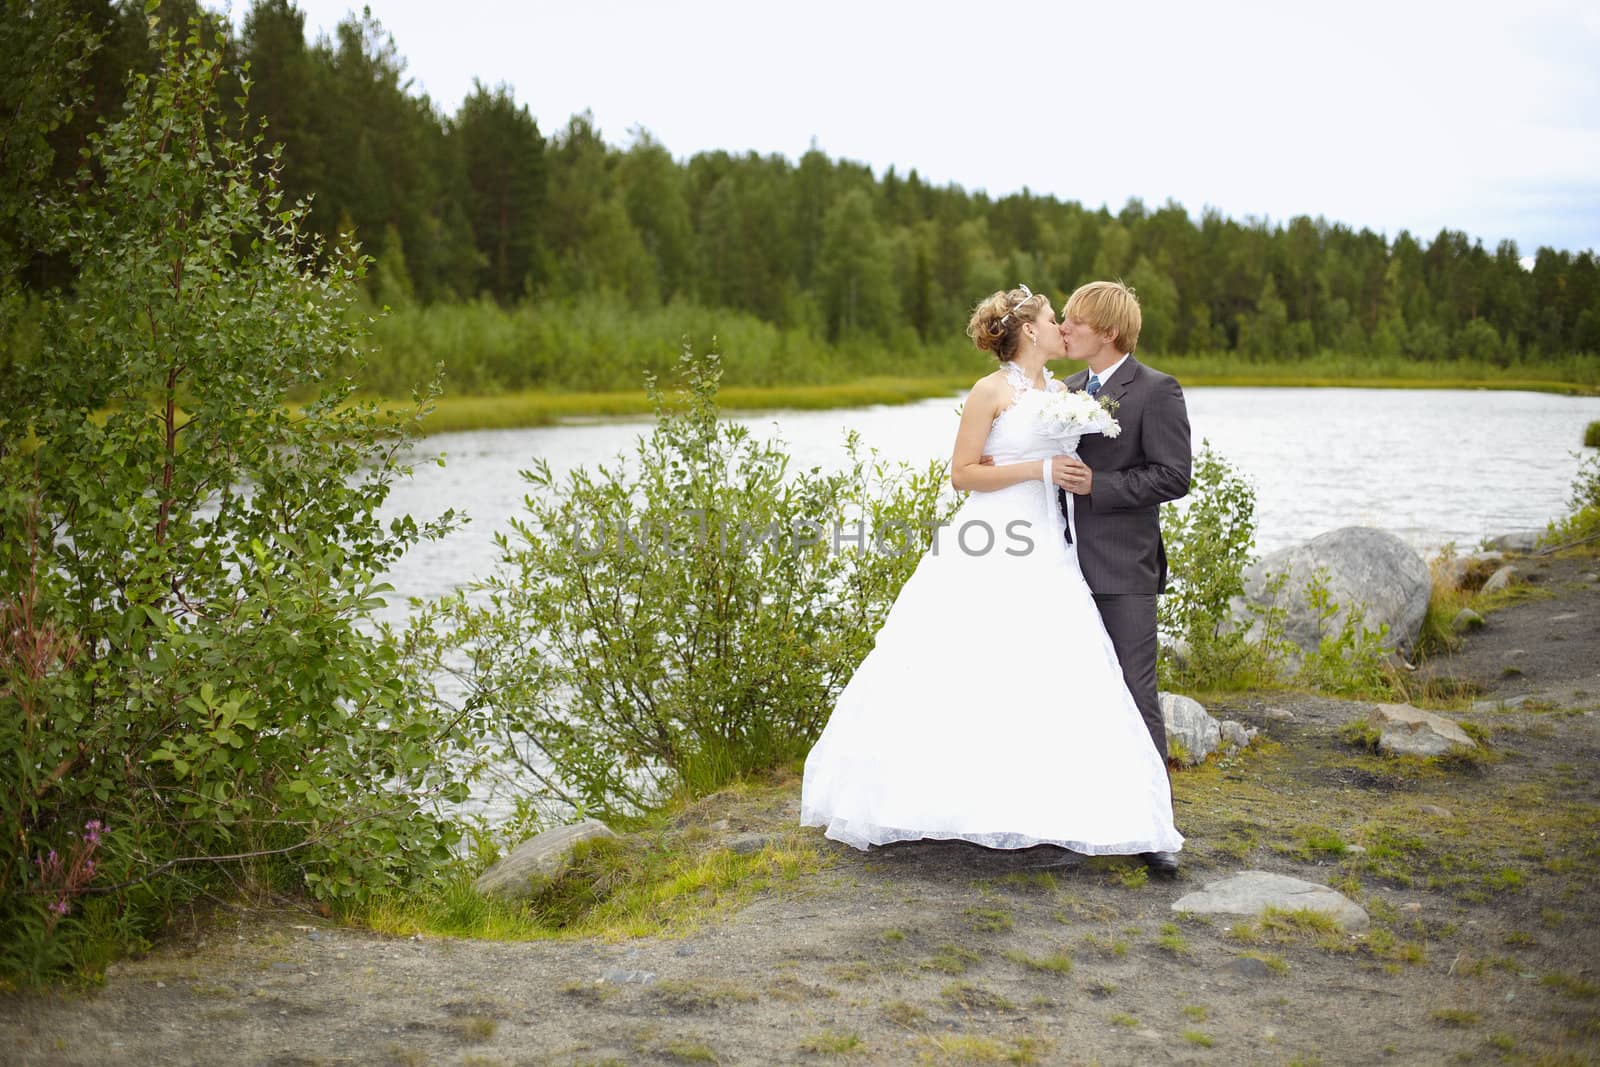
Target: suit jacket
{"points": [[1119, 519]]}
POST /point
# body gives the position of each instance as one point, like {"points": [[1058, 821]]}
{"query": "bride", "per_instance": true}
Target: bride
{"points": [[992, 708]]}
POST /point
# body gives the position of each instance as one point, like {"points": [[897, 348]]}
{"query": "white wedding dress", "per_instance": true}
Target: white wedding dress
{"points": [[991, 708]]}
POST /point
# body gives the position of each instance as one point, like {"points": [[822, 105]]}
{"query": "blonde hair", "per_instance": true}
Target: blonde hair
{"points": [[1106, 307], [996, 323]]}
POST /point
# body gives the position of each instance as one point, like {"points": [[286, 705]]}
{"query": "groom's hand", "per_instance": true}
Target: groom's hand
{"points": [[1072, 475]]}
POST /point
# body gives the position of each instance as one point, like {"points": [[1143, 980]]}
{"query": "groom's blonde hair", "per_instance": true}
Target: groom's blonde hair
{"points": [[1107, 306]]}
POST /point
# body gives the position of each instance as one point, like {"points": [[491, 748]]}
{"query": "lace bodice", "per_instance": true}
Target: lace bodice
{"points": [[1013, 436]]}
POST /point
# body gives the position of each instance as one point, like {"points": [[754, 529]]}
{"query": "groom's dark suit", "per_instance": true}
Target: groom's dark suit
{"points": [[1118, 520]]}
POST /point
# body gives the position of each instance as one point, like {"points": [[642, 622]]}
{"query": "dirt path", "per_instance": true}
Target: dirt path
{"points": [[1480, 878]]}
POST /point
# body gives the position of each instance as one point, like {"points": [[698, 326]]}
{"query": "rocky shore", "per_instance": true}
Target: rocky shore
{"points": [[1473, 872]]}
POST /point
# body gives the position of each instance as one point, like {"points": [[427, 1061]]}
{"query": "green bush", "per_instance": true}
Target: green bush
{"points": [[1583, 524], [1591, 435], [1210, 540], [671, 621], [192, 693]]}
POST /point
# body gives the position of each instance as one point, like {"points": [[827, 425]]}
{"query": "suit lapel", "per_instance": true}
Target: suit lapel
{"points": [[1121, 381], [1077, 381]]}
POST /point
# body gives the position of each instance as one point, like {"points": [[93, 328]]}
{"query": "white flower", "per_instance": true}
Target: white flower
{"points": [[1065, 416]]}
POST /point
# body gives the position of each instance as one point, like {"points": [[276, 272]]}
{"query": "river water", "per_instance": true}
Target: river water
{"points": [[1432, 466]]}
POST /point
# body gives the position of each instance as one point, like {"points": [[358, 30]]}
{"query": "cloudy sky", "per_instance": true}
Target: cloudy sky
{"points": [[1476, 116]]}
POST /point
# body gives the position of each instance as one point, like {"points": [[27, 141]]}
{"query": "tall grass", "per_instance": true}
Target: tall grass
{"points": [[602, 345]]}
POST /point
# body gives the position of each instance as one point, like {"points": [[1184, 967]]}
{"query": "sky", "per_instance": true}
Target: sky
{"points": [[1474, 116]]}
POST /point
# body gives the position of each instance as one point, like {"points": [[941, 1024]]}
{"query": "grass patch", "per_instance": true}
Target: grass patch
{"points": [[692, 995], [1457, 1018], [1570, 985], [1054, 963], [1196, 1037], [969, 997], [1276, 964], [1360, 733], [688, 1052], [1123, 1019], [1133, 877], [989, 920], [832, 1043], [539, 407], [1171, 940], [1108, 947], [651, 881], [952, 959], [974, 1048], [904, 1013], [1197, 1012], [1591, 435]]}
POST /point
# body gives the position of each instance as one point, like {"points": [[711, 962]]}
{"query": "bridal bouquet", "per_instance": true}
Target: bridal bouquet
{"points": [[1066, 416]]}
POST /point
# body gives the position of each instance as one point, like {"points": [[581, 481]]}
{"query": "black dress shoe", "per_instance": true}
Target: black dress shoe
{"points": [[1162, 863]]}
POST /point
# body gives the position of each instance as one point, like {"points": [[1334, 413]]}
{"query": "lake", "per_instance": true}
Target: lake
{"points": [[1432, 466]]}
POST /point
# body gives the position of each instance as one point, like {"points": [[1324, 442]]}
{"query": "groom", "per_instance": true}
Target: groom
{"points": [[1120, 484]]}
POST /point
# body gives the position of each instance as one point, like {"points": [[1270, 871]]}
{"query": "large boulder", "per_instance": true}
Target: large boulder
{"points": [[1192, 734], [1252, 892], [524, 871], [1516, 541], [1369, 571], [1407, 731]]}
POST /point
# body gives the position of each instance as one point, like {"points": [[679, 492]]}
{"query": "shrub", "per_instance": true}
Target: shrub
{"points": [[681, 617], [189, 677], [1583, 524], [1210, 541]]}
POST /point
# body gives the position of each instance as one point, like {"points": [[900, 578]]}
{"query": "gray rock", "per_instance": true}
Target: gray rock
{"points": [[1189, 724], [1516, 541], [1435, 810], [745, 844], [1466, 619], [1500, 579], [1248, 967], [1279, 714], [1407, 731], [1237, 735], [526, 869], [623, 976], [1252, 892], [1368, 572]]}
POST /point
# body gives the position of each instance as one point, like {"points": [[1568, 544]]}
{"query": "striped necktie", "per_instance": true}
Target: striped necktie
{"points": [[1093, 387]]}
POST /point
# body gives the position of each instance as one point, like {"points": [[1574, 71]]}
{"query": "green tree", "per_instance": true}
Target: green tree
{"points": [[189, 673], [502, 153], [858, 295]]}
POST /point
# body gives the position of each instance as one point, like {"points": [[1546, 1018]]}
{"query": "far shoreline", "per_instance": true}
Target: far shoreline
{"points": [[531, 408]]}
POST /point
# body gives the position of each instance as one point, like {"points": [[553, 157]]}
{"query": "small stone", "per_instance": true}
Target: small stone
{"points": [[1593, 577], [160, 984], [1356, 850], [1407, 731], [1189, 724], [1251, 892], [1236, 734], [1466, 620], [684, 950], [620, 976], [1248, 967], [1435, 810], [280, 966], [720, 825], [1517, 541], [314, 936], [529, 867], [1411, 906], [1279, 714], [1565, 616], [1500, 579], [748, 844]]}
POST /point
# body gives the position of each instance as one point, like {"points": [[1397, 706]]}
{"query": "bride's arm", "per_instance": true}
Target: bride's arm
{"points": [[985, 401]]}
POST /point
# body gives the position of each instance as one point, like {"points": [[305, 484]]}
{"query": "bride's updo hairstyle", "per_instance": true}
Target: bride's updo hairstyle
{"points": [[996, 323]]}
